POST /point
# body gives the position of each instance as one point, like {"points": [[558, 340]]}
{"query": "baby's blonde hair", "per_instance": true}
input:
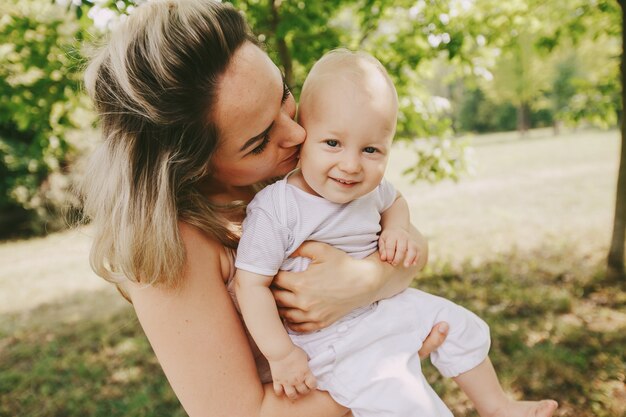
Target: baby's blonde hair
{"points": [[355, 66], [153, 86]]}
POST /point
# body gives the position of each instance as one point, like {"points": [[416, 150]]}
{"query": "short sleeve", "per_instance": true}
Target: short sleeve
{"points": [[263, 244], [386, 195]]}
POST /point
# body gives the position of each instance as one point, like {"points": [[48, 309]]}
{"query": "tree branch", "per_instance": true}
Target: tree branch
{"points": [[283, 49]]}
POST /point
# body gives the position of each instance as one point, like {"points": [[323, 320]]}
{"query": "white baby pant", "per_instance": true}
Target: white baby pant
{"points": [[369, 363]]}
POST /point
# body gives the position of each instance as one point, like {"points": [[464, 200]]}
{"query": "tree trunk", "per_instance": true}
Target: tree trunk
{"points": [[283, 49], [556, 127], [523, 118], [616, 252]]}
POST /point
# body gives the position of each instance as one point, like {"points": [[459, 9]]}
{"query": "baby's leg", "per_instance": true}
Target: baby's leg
{"points": [[463, 356], [481, 385], [467, 343], [384, 380]]}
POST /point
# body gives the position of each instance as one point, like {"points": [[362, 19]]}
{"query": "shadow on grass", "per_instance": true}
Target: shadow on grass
{"points": [[64, 359], [558, 331]]}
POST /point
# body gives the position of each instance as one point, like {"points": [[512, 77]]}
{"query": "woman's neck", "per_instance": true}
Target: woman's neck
{"points": [[221, 194]]}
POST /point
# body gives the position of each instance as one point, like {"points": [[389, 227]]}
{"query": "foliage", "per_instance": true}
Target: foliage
{"points": [[553, 59], [590, 37], [558, 57], [478, 113], [40, 101], [439, 160]]}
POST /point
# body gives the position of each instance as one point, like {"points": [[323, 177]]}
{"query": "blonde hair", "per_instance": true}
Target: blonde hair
{"points": [[153, 86]]}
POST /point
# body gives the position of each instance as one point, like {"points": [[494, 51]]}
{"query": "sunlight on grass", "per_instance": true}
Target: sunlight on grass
{"points": [[545, 342]]}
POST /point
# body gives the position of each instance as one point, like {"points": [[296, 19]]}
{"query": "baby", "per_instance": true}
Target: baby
{"points": [[368, 360]]}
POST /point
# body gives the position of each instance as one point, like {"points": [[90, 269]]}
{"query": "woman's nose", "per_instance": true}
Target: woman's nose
{"points": [[293, 134]]}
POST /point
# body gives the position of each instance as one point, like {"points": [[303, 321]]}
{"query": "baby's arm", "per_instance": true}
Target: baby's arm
{"points": [[289, 363], [395, 242]]}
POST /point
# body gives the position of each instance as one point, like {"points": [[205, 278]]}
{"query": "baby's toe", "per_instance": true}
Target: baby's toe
{"points": [[546, 408]]}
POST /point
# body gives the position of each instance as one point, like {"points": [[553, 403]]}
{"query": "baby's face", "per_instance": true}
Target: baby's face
{"points": [[349, 135]]}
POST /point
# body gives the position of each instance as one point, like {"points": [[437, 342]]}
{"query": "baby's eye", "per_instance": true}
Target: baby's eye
{"points": [[332, 143], [370, 149]]}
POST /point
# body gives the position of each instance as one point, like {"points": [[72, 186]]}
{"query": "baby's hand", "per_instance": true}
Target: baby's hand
{"points": [[395, 244], [292, 375]]}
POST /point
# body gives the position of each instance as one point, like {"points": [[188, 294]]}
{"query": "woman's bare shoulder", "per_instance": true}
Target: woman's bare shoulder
{"points": [[202, 248], [197, 336]]}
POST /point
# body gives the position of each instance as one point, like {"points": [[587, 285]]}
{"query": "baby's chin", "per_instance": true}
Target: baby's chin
{"points": [[339, 199]]}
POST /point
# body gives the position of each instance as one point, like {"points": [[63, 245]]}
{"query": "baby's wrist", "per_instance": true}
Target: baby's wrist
{"points": [[281, 353], [396, 227]]}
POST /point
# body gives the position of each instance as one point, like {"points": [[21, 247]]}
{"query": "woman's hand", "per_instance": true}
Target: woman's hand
{"points": [[435, 338], [333, 285]]}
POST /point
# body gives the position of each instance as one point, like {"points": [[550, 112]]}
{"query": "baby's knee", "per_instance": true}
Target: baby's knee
{"points": [[466, 345], [470, 328]]}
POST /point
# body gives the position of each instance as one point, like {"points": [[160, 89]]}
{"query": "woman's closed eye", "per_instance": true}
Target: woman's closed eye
{"points": [[266, 136], [261, 147]]}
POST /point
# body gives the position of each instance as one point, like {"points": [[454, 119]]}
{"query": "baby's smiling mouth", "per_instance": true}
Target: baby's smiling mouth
{"points": [[343, 182]]}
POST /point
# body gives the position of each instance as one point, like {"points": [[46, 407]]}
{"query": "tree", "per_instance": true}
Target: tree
{"points": [[40, 102], [615, 260]]}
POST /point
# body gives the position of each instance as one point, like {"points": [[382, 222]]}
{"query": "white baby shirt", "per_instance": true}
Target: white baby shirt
{"points": [[282, 216]]}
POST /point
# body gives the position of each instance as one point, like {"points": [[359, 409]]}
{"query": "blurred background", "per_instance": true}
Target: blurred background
{"points": [[507, 150]]}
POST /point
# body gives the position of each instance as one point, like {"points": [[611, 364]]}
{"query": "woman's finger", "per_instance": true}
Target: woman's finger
{"points": [[305, 327], [310, 249], [284, 298], [292, 315], [435, 338], [285, 280], [278, 389]]}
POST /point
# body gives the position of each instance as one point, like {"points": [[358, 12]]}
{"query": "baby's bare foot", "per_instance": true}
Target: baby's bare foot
{"points": [[544, 408]]}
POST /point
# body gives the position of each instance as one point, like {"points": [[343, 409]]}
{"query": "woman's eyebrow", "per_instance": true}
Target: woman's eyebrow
{"points": [[257, 138]]}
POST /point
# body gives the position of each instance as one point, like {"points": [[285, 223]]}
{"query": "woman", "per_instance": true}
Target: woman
{"points": [[195, 116]]}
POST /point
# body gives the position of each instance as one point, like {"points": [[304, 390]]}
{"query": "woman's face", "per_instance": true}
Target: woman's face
{"points": [[254, 114]]}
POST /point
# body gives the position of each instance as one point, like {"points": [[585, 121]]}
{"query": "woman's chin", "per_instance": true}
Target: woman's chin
{"points": [[288, 167]]}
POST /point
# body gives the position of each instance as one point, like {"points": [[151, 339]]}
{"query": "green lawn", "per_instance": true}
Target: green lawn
{"points": [[521, 243]]}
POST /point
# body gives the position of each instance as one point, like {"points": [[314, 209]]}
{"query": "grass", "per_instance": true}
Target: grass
{"points": [[521, 243], [558, 330]]}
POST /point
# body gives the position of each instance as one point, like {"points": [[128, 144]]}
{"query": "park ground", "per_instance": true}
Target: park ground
{"points": [[521, 242]]}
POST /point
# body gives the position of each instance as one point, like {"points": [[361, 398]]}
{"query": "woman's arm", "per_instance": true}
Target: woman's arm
{"points": [[335, 284], [316, 298], [200, 343]]}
